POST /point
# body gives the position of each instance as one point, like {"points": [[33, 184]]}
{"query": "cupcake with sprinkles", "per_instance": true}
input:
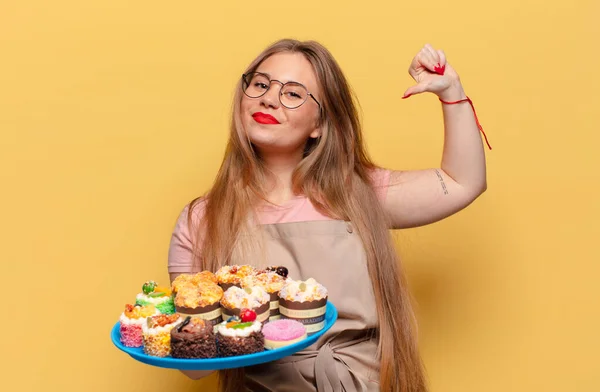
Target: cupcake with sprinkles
{"points": [[160, 297], [232, 275], [281, 333], [131, 321], [240, 337], [236, 299], [156, 333], [305, 302], [272, 282]]}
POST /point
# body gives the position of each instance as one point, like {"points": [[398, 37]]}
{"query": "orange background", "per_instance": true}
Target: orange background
{"points": [[114, 114]]}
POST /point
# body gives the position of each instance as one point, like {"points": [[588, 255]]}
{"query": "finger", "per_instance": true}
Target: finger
{"points": [[433, 52], [442, 57], [441, 65], [426, 59], [416, 89]]}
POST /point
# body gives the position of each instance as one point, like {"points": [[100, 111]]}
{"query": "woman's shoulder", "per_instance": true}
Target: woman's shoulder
{"points": [[192, 214], [380, 180]]}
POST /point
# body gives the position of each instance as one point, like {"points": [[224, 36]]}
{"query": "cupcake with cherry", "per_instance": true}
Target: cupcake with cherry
{"points": [[235, 299], [272, 279], [240, 335]]}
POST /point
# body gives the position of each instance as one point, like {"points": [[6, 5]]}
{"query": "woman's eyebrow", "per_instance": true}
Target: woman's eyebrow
{"points": [[282, 81]]}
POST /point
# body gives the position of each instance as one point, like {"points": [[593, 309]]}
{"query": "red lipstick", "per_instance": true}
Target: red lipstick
{"points": [[264, 118]]}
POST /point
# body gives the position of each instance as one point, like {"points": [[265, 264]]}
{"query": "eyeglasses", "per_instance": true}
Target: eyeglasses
{"points": [[292, 94]]}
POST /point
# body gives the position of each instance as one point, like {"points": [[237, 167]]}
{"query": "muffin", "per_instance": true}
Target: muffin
{"points": [[193, 338], [281, 333], [160, 297], [200, 277], [236, 299], [304, 301], [156, 332], [199, 299], [271, 282], [232, 275], [240, 337], [131, 321]]}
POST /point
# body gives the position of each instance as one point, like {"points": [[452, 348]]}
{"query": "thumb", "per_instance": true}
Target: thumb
{"points": [[416, 89]]}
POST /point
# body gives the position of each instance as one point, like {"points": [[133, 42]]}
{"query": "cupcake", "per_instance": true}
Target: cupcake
{"points": [[281, 333], [255, 298], [200, 277], [131, 321], [271, 282], [160, 297], [240, 337], [193, 338], [232, 275], [156, 334], [304, 301], [199, 299]]}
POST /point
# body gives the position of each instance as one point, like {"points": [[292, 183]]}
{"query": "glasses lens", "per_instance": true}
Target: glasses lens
{"points": [[256, 85], [293, 95]]}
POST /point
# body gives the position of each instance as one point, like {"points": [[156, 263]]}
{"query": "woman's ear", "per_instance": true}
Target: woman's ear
{"points": [[316, 133]]}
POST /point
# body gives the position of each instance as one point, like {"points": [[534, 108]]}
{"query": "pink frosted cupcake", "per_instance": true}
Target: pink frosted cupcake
{"points": [[131, 321], [283, 332]]}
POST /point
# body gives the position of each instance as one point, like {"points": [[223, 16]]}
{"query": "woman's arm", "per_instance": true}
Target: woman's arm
{"points": [[420, 197]]}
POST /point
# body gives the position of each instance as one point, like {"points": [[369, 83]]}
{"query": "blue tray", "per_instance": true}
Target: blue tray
{"points": [[229, 362]]}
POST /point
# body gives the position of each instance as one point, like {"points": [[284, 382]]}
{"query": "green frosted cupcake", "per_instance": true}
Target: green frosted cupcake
{"points": [[160, 297]]}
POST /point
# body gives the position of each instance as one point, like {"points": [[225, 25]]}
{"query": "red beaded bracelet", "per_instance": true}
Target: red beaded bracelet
{"points": [[474, 112]]}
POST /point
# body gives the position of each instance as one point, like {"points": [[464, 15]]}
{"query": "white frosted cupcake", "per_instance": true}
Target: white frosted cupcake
{"points": [[239, 338], [236, 299], [305, 302], [131, 321], [272, 283]]}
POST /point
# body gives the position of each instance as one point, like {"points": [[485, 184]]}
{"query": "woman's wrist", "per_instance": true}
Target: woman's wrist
{"points": [[453, 93]]}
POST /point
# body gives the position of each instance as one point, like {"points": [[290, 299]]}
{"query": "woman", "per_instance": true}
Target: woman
{"points": [[296, 188]]}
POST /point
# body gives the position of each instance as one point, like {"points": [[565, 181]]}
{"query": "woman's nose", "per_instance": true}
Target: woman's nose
{"points": [[271, 97]]}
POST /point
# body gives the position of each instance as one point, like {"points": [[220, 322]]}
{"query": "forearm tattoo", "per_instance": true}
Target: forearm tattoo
{"points": [[442, 182]]}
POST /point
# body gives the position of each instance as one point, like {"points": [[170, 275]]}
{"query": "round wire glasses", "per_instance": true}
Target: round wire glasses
{"points": [[292, 94]]}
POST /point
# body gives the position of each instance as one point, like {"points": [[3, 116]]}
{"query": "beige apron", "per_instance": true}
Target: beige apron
{"points": [[343, 359]]}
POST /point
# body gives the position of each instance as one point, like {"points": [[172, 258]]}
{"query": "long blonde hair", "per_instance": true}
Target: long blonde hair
{"points": [[332, 165]]}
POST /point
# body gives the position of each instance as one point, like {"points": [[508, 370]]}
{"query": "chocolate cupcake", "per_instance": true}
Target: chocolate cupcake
{"points": [[239, 338], [271, 282], [193, 338], [232, 275], [199, 299], [304, 301], [254, 298]]}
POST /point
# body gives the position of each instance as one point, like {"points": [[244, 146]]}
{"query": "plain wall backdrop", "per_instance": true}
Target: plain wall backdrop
{"points": [[114, 115]]}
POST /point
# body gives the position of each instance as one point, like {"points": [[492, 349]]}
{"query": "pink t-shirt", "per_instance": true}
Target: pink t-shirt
{"points": [[298, 209]]}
